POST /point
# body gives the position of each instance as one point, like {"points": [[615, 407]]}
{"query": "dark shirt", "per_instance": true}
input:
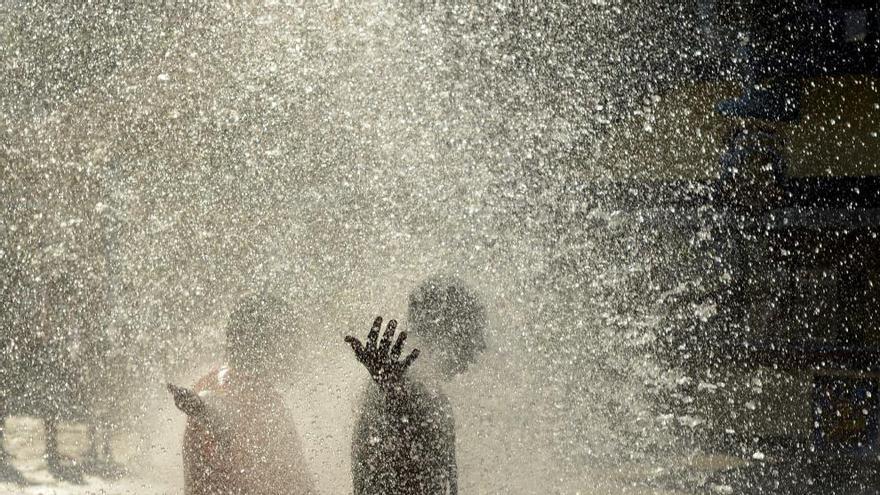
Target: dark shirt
{"points": [[404, 443]]}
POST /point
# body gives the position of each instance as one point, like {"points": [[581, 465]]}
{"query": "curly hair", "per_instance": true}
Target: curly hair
{"points": [[444, 311]]}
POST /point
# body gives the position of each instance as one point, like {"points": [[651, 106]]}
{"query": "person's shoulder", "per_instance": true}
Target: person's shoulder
{"points": [[427, 391], [371, 395], [428, 397], [417, 391]]}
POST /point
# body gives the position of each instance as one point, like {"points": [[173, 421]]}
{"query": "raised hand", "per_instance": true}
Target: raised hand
{"points": [[186, 400], [381, 360]]}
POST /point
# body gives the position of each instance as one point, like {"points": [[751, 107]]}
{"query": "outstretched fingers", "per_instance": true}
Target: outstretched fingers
{"points": [[356, 346], [398, 346], [373, 336], [384, 366], [409, 360], [385, 344]]}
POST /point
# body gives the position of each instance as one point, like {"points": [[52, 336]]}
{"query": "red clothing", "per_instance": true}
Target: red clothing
{"points": [[246, 444]]}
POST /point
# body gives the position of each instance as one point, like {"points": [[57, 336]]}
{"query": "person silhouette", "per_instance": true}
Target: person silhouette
{"points": [[404, 439], [239, 437]]}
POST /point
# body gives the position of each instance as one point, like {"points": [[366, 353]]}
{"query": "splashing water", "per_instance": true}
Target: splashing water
{"points": [[170, 159]]}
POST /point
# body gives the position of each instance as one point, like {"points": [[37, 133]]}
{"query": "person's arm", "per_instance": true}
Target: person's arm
{"points": [[187, 400], [205, 410]]}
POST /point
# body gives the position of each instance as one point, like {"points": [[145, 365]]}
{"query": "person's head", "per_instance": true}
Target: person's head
{"points": [[447, 317], [257, 334]]}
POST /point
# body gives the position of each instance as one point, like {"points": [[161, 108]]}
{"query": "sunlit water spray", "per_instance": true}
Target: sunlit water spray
{"points": [[338, 156]]}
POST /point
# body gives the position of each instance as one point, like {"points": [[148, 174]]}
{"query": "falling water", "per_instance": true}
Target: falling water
{"points": [[171, 158]]}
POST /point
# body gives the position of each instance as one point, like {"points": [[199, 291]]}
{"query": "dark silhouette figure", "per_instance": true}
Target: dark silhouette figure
{"points": [[239, 437], [404, 440]]}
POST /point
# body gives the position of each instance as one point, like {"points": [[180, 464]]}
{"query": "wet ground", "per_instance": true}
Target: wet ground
{"points": [[151, 455], [154, 468], [493, 458], [146, 471]]}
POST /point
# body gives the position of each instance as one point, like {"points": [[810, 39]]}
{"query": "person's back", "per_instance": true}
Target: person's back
{"points": [[239, 437], [404, 444], [245, 443], [404, 440]]}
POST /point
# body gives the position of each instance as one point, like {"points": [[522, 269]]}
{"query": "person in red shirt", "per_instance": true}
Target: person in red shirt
{"points": [[239, 437]]}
